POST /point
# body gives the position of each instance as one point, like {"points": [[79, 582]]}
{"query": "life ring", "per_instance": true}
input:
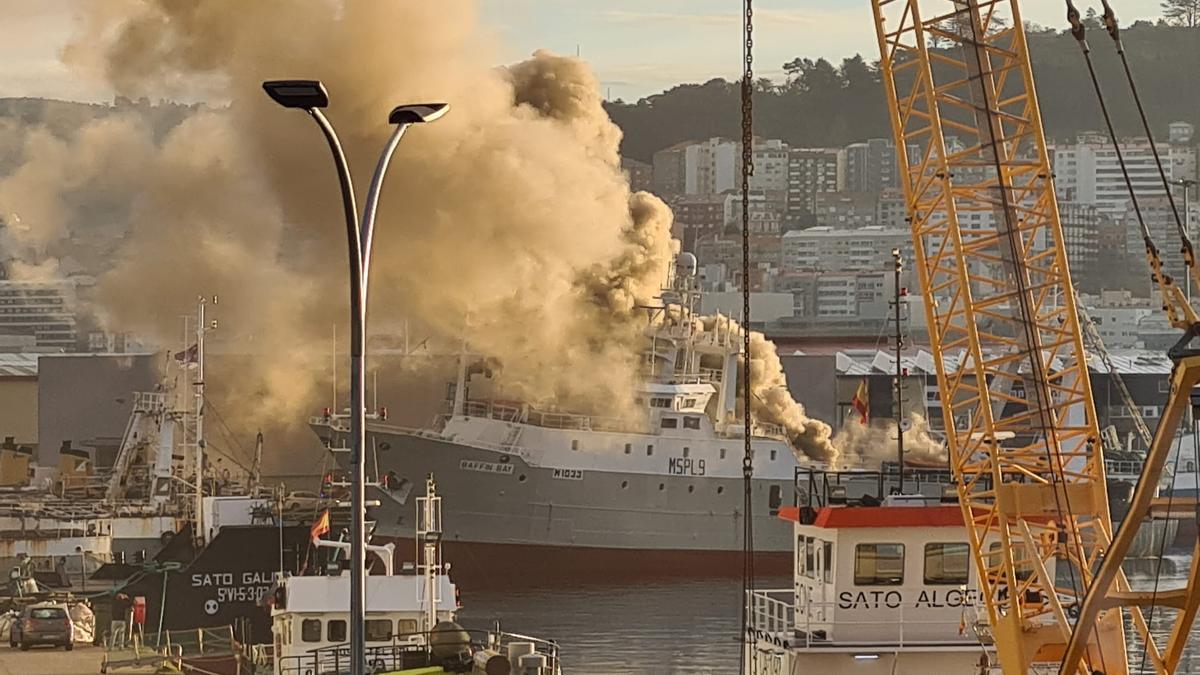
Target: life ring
{"points": [[166, 538]]}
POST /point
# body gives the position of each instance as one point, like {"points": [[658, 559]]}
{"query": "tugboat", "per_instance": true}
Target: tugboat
{"points": [[881, 584], [410, 617]]}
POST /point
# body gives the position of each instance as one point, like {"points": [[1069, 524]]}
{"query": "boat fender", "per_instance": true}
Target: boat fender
{"points": [[491, 662]]}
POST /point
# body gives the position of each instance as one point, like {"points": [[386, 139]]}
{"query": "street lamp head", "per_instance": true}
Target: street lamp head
{"points": [[303, 94], [417, 113]]}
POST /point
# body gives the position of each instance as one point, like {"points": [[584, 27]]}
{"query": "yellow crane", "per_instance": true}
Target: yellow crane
{"points": [[1021, 426]]}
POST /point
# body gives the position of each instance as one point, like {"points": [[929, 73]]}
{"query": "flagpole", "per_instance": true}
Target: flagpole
{"points": [[199, 384], [899, 375]]}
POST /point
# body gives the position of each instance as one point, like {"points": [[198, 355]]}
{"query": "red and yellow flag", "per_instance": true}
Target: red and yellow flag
{"points": [[861, 402], [320, 526]]}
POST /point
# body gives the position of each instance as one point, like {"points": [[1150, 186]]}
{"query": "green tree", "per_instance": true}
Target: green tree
{"points": [[1182, 12]]}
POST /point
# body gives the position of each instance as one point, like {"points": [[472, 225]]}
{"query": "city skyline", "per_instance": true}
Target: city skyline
{"points": [[676, 42]]}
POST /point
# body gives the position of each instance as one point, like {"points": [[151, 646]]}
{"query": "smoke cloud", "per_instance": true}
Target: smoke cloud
{"points": [[508, 223], [876, 442], [770, 400]]}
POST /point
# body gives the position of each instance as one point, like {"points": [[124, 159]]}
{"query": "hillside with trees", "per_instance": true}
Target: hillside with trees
{"points": [[825, 105]]}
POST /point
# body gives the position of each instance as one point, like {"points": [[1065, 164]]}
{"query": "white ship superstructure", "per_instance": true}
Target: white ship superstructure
{"points": [[880, 585]]}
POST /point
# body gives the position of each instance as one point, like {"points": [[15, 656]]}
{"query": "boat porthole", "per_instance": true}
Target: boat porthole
{"points": [[504, 459], [720, 489], [691, 488], [521, 478], [662, 486], [624, 484]]}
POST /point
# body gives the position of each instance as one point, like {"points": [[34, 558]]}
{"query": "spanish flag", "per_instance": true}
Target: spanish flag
{"points": [[861, 402], [320, 526]]}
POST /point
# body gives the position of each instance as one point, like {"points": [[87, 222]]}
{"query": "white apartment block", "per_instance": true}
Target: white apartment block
{"points": [[1089, 172], [827, 248], [44, 310], [710, 167]]}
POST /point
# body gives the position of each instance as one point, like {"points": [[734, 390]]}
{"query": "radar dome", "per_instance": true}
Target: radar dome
{"points": [[686, 265]]}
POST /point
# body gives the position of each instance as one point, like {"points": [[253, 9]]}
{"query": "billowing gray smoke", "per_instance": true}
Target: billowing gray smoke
{"points": [[508, 223]]}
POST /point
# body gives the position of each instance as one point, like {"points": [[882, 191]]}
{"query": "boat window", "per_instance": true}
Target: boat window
{"points": [[1024, 565], [670, 422], [689, 403], [775, 498], [801, 553], [336, 630], [879, 564], [660, 402], [947, 563], [773, 455], [310, 630], [379, 630], [828, 574], [691, 422], [628, 448], [810, 559], [722, 453], [574, 445], [649, 449], [686, 450], [406, 626]]}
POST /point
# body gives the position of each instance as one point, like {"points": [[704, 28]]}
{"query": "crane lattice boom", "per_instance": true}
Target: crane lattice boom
{"points": [[1012, 372]]}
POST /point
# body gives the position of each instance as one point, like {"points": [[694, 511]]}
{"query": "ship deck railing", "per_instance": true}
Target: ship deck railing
{"points": [[408, 650], [773, 619], [168, 649]]}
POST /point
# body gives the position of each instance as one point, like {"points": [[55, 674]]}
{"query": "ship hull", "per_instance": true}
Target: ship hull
{"points": [[503, 516]]}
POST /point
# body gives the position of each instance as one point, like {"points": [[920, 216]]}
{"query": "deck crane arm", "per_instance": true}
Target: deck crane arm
{"points": [[1021, 425]]}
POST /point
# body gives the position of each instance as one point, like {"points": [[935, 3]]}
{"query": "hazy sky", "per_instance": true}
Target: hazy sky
{"points": [[635, 50]]}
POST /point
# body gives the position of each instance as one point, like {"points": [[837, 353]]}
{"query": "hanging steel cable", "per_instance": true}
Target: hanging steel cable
{"points": [[747, 169], [1163, 280], [1114, 31]]}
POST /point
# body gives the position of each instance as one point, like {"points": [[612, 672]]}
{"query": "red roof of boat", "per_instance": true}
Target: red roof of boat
{"points": [[880, 516]]}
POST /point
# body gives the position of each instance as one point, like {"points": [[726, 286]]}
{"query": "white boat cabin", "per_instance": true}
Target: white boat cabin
{"points": [[887, 589], [310, 613]]}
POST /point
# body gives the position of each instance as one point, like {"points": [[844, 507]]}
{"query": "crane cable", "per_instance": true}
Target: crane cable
{"points": [[747, 169], [1112, 27], [1163, 280], [1110, 24], [1037, 368]]}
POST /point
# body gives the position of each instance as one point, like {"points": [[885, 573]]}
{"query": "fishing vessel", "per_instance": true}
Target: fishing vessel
{"points": [[572, 494], [881, 584]]}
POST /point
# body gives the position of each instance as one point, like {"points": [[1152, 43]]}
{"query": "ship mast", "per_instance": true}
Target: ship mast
{"points": [[429, 549], [202, 327]]}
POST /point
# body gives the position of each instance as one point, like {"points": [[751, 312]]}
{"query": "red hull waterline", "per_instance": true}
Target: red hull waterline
{"points": [[481, 566]]}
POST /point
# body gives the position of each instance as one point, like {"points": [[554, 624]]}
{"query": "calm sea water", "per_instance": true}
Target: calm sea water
{"points": [[670, 627], [666, 626]]}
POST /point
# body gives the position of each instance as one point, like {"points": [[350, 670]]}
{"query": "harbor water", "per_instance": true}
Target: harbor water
{"points": [[690, 626]]}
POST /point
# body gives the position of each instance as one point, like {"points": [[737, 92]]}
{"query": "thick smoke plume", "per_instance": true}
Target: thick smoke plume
{"points": [[876, 442], [508, 223], [770, 400]]}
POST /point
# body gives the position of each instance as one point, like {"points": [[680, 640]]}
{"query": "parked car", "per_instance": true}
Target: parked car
{"points": [[45, 623], [302, 501]]}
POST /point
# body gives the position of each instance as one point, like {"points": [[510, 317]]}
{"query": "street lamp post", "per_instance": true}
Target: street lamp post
{"points": [[1187, 184], [311, 96]]}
